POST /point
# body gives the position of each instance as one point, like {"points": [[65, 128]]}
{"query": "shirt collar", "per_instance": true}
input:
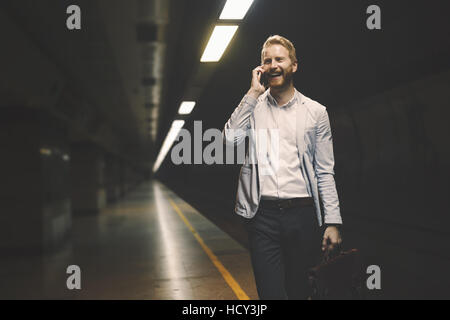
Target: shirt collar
{"points": [[273, 102]]}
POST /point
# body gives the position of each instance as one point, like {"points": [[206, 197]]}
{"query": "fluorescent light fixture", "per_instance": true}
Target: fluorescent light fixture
{"points": [[170, 138], [235, 9], [218, 42], [186, 107]]}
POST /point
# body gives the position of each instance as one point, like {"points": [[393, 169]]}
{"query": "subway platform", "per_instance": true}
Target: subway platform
{"points": [[149, 245]]}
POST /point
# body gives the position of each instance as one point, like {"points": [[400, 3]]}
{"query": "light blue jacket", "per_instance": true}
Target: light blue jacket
{"points": [[315, 151]]}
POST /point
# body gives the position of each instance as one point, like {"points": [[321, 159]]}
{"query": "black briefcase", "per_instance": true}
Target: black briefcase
{"points": [[338, 277]]}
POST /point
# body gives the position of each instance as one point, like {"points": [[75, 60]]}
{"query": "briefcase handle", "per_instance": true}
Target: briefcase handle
{"points": [[330, 254]]}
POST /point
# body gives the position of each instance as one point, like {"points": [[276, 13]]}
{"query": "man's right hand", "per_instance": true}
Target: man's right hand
{"points": [[256, 88]]}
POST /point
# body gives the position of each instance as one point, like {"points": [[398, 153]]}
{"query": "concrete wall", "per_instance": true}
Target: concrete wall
{"points": [[34, 195]]}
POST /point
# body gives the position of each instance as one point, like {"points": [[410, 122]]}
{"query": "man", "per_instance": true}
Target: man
{"points": [[279, 186]]}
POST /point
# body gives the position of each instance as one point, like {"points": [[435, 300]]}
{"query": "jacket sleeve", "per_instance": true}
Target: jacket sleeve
{"points": [[324, 168], [235, 129]]}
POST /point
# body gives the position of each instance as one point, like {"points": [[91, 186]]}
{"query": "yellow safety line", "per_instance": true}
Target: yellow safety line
{"points": [[225, 274]]}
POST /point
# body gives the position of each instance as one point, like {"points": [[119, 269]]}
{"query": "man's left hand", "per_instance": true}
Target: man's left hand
{"points": [[331, 238]]}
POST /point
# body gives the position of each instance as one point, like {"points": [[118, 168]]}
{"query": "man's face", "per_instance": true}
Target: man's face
{"points": [[278, 66]]}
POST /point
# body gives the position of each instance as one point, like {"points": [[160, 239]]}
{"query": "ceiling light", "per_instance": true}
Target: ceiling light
{"points": [[235, 9], [168, 141], [218, 42], [186, 107]]}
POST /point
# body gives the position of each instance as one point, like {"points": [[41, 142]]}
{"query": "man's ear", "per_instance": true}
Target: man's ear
{"points": [[294, 67]]}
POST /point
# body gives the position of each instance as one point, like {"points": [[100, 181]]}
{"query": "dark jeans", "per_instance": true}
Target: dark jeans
{"points": [[284, 244]]}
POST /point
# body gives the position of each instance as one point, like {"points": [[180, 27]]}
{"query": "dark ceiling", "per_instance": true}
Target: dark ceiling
{"points": [[103, 65]]}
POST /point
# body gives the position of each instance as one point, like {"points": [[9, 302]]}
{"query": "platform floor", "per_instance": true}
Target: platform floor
{"points": [[149, 245]]}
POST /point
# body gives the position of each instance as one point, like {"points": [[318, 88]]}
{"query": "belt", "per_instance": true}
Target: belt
{"points": [[286, 203]]}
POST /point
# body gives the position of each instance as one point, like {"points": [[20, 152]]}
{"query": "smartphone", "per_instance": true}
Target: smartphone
{"points": [[264, 81]]}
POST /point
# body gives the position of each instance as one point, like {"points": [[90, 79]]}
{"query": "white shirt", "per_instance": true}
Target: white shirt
{"points": [[285, 180]]}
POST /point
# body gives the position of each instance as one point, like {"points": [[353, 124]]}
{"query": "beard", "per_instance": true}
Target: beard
{"points": [[284, 82]]}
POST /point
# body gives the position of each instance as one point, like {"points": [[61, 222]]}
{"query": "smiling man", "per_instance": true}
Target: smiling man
{"points": [[279, 194]]}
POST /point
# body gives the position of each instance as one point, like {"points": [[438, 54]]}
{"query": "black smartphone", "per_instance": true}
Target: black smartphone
{"points": [[264, 80]]}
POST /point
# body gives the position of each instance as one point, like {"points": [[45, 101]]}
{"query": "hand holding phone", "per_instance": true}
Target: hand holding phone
{"points": [[259, 82]]}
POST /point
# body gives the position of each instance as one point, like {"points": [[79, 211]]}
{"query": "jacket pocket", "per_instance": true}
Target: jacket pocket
{"points": [[243, 190]]}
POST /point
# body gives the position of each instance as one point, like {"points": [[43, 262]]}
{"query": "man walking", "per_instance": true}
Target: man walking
{"points": [[280, 186]]}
